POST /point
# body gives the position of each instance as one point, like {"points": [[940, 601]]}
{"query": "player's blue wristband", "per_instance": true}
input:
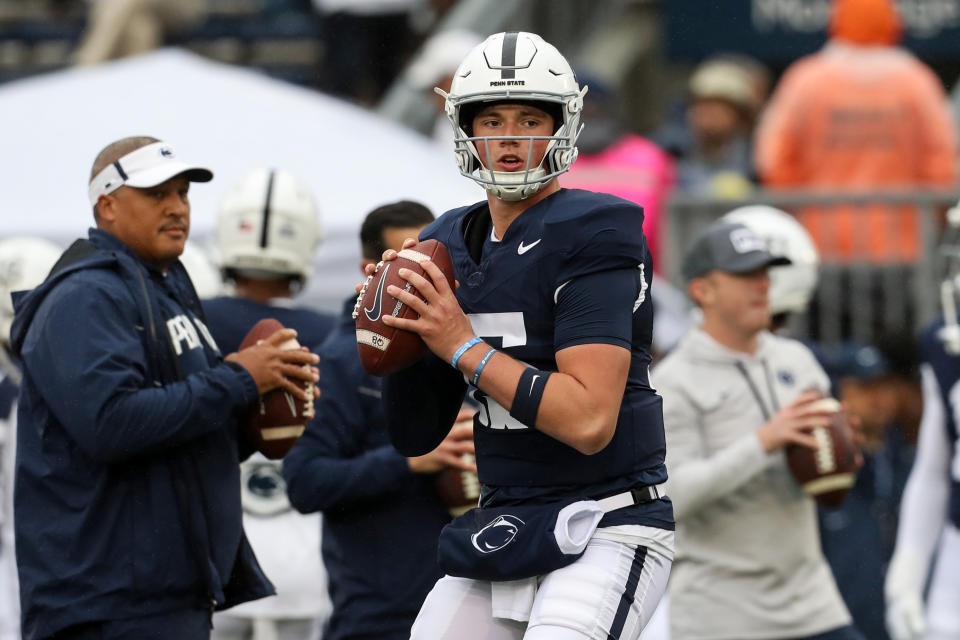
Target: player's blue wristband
{"points": [[526, 400], [483, 363], [463, 349]]}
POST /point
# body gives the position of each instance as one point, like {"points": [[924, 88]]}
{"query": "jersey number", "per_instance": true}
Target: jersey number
{"points": [[512, 332]]}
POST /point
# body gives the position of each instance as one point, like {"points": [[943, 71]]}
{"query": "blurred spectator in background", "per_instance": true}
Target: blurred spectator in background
{"points": [[24, 263], [761, 80], [268, 230], [382, 512], [860, 115], [120, 28], [615, 161], [713, 151], [366, 43], [734, 397], [858, 536]]}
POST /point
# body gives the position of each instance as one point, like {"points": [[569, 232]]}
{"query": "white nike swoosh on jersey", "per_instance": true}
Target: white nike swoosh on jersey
{"points": [[523, 249]]}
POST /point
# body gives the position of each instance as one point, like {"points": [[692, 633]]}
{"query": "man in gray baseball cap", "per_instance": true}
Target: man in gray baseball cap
{"points": [[730, 247], [735, 396]]}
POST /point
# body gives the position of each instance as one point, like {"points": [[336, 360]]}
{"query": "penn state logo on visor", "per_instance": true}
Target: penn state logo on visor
{"points": [[497, 534]]}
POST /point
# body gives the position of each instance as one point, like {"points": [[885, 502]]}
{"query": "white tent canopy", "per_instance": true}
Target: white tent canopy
{"points": [[229, 119]]}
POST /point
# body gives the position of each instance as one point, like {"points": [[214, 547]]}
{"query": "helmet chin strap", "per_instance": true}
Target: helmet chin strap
{"points": [[512, 186]]}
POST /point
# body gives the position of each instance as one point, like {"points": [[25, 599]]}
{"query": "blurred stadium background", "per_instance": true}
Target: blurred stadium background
{"points": [[641, 52], [339, 93]]}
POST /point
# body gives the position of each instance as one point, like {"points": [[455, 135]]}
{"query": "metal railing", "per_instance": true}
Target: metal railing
{"points": [[881, 266]]}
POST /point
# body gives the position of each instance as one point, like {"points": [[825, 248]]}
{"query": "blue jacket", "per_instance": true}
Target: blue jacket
{"points": [[380, 521], [127, 495]]}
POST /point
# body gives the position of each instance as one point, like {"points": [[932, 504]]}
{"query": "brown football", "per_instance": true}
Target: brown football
{"points": [[459, 489], [384, 350], [828, 472], [278, 418]]}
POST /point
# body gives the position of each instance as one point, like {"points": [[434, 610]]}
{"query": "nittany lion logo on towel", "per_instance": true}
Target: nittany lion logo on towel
{"points": [[497, 534]]}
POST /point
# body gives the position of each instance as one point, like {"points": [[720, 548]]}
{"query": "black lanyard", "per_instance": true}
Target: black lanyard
{"points": [[756, 392]]}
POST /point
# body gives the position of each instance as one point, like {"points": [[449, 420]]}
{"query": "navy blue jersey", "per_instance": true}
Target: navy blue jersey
{"points": [[946, 368], [229, 320], [515, 292]]}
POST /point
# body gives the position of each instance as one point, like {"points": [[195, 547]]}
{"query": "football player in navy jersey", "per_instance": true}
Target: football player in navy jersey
{"points": [[381, 510], [550, 332], [268, 230], [929, 525]]}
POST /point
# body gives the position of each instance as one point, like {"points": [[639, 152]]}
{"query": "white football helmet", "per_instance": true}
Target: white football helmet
{"points": [[791, 286], [268, 226], [25, 262], [515, 67], [202, 270]]}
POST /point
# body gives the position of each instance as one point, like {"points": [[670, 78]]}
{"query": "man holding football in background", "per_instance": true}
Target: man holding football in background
{"points": [[749, 562], [550, 331], [382, 513], [127, 502], [268, 230]]}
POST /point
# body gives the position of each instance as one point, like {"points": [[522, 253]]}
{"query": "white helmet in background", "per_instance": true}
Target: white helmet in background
{"points": [[268, 226], [25, 262], [516, 67], [202, 271], [791, 286]]}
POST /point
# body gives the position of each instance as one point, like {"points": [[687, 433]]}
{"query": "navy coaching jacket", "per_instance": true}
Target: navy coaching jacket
{"points": [[127, 493]]}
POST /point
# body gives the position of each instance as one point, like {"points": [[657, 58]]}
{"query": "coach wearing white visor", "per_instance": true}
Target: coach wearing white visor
{"points": [[127, 502]]}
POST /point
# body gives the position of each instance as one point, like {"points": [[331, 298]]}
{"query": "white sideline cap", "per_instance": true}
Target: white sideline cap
{"points": [[146, 167]]}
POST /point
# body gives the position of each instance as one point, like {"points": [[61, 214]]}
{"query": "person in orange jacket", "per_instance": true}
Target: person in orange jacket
{"points": [[862, 114]]}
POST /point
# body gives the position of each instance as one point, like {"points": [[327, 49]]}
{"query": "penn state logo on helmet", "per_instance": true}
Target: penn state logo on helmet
{"points": [[515, 66], [497, 534]]}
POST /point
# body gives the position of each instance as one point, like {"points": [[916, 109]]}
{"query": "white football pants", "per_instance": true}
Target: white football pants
{"points": [[609, 592], [943, 612]]}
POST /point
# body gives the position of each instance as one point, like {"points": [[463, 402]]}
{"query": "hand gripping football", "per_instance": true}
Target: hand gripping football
{"points": [[278, 418], [384, 350], [828, 472]]}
